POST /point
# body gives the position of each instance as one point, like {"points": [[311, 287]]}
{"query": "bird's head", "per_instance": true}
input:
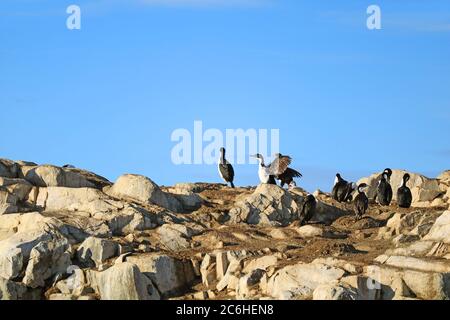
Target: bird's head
{"points": [[406, 177], [362, 186]]}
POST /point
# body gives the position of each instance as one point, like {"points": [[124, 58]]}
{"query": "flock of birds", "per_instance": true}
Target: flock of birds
{"points": [[342, 189]]}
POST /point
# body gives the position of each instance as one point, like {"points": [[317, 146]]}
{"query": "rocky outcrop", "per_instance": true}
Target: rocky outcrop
{"points": [[69, 234]]}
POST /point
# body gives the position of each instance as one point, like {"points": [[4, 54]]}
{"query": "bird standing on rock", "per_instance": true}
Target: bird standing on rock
{"points": [[404, 195], [282, 171], [226, 170], [384, 190], [342, 189], [264, 172], [308, 209], [361, 201], [278, 167]]}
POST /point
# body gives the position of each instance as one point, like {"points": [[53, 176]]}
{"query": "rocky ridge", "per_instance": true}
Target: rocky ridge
{"points": [[67, 233]]}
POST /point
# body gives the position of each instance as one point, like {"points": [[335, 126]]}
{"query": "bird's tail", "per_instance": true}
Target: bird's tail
{"points": [[232, 184]]}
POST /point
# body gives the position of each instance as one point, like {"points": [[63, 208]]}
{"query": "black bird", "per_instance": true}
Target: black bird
{"points": [[341, 189], [351, 187], [384, 190], [387, 171], [280, 169], [226, 170], [308, 209], [361, 201], [288, 176], [404, 195]]}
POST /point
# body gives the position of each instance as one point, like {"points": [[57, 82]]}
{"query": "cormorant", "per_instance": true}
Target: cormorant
{"points": [[361, 201], [384, 190], [265, 173], [308, 209], [226, 170], [282, 172], [342, 189], [288, 176], [404, 195]]}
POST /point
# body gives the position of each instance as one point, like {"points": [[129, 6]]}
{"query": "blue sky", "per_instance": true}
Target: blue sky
{"points": [[107, 97]]}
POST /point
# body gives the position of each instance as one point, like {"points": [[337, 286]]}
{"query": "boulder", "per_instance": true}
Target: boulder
{"points": [[352, 268], [122, 281], [230, 280], [420, 195], [208, 270], [171, 276], [97, 181], [52, 176], [175, 237], [309, 231], [20, 188], [444, 176], [335, 291], [9, 169], [75, 284], [189, 200], [440, 231], [189, 187], [417, 248], [144, 190], [15, 251], [47, 259], [262, 263], [249, 284], [415, 223], [8, 202], [269, 205], [301, 280], [131, 219], [10, 290], [326, 213], [93, 252], [88, 200], [423, 285], [421, 264]]}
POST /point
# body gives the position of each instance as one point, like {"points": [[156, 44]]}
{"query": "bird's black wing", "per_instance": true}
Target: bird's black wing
{"points": [[231, 170], [279, 165], [227, 171], [389, 193], [293, 173]]}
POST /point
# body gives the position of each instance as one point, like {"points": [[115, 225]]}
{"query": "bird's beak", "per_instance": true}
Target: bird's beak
{"points": [[253, 156]]}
